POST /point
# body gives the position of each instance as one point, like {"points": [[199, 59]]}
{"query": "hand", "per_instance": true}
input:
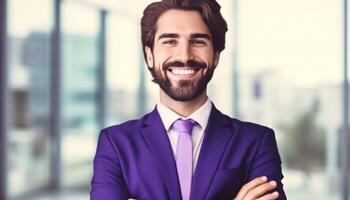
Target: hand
{"points": [[257, 189]]}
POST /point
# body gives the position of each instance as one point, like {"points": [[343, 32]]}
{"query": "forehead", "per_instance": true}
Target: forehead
{"points": [[182, 22]]}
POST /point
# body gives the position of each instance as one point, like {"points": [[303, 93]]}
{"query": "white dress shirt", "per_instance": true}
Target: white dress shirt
{"points": [[201, 116]]}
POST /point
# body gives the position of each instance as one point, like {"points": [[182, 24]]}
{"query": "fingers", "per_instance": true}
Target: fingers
{"points": [[260, 190], [271, 196], [256, 189], [250, 185]]}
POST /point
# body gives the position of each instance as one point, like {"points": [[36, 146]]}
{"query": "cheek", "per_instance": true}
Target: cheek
{"points": [[207, 57], [160, 57]]}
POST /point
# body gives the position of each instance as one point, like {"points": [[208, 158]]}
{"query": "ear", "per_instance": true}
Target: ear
{"points": [[216, 59], [149, 56]]}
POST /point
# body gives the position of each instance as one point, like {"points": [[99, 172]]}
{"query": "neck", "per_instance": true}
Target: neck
{"points": [[183, 108]]}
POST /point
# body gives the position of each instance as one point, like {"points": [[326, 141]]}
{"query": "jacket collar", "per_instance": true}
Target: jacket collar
{"points": [[217, 135]]}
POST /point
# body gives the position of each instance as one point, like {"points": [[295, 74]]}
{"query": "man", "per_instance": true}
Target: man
{"points": [[185, 148]]}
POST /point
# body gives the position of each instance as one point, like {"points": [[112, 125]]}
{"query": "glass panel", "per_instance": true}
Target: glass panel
{"points": [[290, 62], [123, 68], [79, 84], [152, 90], [220, 89], [30, 24], [342, 140]]}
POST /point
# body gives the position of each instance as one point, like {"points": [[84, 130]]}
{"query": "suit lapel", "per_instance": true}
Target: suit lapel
{"points": [[217, 135], [156, 137]]}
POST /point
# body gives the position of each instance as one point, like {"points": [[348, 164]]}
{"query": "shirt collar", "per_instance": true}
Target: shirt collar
{"points": [[201, 115]]}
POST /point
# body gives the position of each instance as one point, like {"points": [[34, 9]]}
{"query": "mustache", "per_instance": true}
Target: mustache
{"points": [[189, 63]]}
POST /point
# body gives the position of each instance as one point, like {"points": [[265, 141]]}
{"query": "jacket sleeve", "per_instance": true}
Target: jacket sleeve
{"points": [[267, 162], [107, 181]]}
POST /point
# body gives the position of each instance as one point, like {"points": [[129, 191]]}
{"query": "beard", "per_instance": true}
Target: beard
{"points": [[187, 90]]}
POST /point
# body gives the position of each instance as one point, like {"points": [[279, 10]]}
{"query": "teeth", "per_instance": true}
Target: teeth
{"points": [[183, 71]]}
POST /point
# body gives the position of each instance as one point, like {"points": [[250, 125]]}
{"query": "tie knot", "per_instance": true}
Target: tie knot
{"points": [[184, 126]]}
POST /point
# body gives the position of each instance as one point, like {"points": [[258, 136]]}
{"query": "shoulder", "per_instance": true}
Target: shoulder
{"points": [[254, 134], [252, 137], [127, 128], [248, 130], [243, 126], [251, 127]]}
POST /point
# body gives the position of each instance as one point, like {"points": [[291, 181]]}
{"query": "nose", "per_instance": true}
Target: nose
{"points": [[184, 52]]}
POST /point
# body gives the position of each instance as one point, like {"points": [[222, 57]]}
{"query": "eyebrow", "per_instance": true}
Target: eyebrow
{"points": [[168, 35], [200, 35], [193, 36]]}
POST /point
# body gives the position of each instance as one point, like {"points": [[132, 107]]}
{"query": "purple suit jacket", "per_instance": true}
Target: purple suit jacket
{"points": [[135, 160]]}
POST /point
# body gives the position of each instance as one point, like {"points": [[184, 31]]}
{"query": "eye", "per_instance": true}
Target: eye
{"points": [[169, 42], [198, 42]]}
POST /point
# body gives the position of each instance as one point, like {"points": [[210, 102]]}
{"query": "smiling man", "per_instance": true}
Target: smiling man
{"points": [[186, 148]]}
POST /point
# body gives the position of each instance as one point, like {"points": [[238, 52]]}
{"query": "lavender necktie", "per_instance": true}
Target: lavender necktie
{"points": [[184, 155]]}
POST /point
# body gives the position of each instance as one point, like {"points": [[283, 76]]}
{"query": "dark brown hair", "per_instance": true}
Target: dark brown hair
{"points": [[209, 10]]}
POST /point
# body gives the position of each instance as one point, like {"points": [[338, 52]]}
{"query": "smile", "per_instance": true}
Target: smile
{"points": [[184, 72]]}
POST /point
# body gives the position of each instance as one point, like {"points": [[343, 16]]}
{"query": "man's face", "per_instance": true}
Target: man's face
{"points": [[183, 59]]}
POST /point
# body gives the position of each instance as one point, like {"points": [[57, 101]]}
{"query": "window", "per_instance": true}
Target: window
{"points": [[123, 68], [290, 78], [80, 28], [30, 24]]}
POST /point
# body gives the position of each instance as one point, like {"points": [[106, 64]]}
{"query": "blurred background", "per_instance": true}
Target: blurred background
{"points": [[70, 67]]}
